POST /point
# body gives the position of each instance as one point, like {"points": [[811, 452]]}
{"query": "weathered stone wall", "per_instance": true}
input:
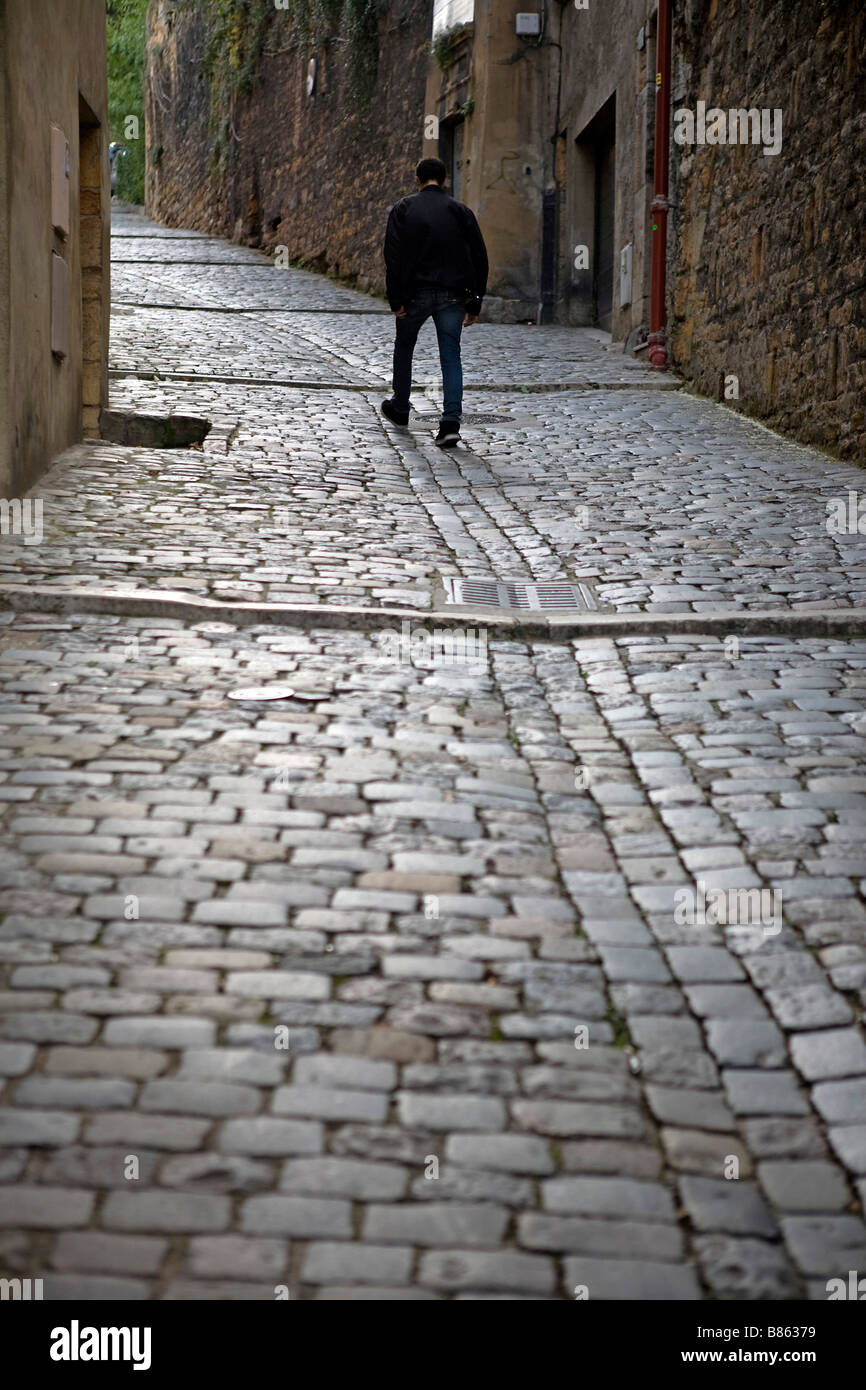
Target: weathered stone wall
{"points": [[770, 257], [52, 74], [315, 174]]}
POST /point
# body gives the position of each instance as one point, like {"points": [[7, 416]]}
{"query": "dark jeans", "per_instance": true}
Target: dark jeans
{"points": [[448, 315]]}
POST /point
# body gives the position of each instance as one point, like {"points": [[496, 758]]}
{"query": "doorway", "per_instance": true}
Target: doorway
{"points": [[605, 191], [597, 151], [451, 144]]}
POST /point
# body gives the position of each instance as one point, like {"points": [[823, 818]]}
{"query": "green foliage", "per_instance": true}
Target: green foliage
{"points": [[239, 32], [361, 22], [445, 45], [323, 20], [619, 1026], [316, 23], [442, 50], [125, 21], [236, 33]]}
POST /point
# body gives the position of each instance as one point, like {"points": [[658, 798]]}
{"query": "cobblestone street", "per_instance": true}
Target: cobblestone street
{"points": [[385, 991]]}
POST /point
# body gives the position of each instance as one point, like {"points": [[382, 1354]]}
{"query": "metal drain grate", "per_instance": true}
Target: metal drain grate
{"points": [[518, 593]]}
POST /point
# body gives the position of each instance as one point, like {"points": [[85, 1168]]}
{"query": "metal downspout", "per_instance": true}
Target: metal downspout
{"points": [[658, 352]]}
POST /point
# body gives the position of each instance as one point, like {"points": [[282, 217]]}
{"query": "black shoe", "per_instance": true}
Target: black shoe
{"points": [[449, 434], [397, 417]]}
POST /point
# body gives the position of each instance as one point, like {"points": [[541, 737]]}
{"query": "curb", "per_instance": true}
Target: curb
{"points": [[840, 623], [506, 387]]}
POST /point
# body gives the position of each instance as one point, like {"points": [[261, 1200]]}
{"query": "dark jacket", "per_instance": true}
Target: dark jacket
{"points": [[433, 242]]}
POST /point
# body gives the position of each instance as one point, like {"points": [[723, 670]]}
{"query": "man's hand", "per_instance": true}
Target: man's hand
{"points": [[400, 313], [469, 320]]}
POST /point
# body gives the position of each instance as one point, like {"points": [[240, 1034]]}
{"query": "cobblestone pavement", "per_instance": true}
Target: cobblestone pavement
{"points": [[403, 989], [609, 475]]}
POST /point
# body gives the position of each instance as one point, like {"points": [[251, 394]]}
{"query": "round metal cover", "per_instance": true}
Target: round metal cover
{"points": [[262, 692]]}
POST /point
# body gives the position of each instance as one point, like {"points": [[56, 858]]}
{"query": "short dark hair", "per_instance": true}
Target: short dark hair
{"points": [[432, 168]]}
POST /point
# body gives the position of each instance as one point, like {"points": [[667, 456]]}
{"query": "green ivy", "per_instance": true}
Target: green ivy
{"points": [[361, 22], [125, 26], [240, 31], [236, 31], [322, 20], [445, 45]]}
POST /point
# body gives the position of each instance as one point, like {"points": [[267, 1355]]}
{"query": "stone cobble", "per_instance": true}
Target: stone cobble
{"points": [[580, 464], [534, 1081], [539, 976]]}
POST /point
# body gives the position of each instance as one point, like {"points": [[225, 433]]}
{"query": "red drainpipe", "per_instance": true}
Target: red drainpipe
{"points": [[658, 352]]}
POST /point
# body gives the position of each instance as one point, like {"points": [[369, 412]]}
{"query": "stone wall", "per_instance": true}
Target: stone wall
{"points": [[770, 258], [274, 166]]}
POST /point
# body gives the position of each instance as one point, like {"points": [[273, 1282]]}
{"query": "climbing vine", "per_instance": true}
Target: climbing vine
{"points": [[361, 22], [235, 36], [445, 45], [241, 32]]}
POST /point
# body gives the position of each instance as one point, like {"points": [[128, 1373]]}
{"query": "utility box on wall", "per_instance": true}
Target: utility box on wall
{"points": [[60, 181], [527, 25]]}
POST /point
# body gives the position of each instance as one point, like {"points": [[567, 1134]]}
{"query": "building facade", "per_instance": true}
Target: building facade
{"points": [[545, 120], [54, 230]]}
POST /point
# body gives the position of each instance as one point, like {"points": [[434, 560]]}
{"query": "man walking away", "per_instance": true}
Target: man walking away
{"points": [[436, 265]]}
